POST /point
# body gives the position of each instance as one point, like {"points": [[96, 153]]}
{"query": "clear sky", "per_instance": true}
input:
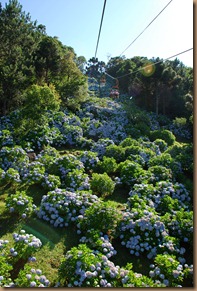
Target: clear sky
{"points": [[76, 23]]}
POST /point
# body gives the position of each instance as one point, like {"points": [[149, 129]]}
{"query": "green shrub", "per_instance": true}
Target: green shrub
{"points": [[116, 152], [164, 134], [101, 216], [129, 142], [30, 277], [159, 173], [184, 155], [102, 185], [161, 144], [180, 121], [107, 165], [170, 268], [132, 150], [5, 268], [167, 161], [131, 173]]}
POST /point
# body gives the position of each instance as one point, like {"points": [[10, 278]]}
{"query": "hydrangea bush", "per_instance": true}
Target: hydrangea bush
{"points": [[21, 204], [60, 207]]}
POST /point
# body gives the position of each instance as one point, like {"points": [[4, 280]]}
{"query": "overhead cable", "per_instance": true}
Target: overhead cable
{"points": [[142, 68], [100, 27], [146, 27]]}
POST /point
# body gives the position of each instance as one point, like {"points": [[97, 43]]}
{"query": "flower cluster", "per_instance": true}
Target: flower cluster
{"points": [[84, 267], [142, 231], [100, 146], [33, 173], [31, 277], [89, 159], [25, 244], [6, 138], [21, 204], [98, 240], [60, 207], [11, 176], [76, 180], [167, 270], [160, 190], [180, 224], [15, 158]]}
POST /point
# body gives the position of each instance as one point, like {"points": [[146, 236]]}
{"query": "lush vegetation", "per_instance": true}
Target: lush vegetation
{"points": [[93, 192]]}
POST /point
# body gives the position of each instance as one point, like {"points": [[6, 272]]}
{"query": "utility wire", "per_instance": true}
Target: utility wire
{"points": [[100, 27], [142, 68], [146, 27]]}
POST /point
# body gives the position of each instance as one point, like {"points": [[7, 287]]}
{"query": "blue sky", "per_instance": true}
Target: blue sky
{"points": [[76, 23]]}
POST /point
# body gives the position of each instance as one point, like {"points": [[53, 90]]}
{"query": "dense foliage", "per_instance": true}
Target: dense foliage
{"points": [[93, 192]]}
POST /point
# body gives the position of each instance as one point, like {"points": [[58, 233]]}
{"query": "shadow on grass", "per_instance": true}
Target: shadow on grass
{"points": [[140, 264], [50, 235], [8, 223], [119, 195], [36, 191]]}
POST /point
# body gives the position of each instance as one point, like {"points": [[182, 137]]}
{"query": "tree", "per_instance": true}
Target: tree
{"points": [[18, 39], [38, 100], [48, 59], [95, 68], [71, 83]]}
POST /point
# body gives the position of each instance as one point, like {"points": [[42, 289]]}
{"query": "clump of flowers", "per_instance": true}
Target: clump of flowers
{"points": [[60, 207], [30, 277], [11, 176], [65, 164], [76, 180], [33, 173], [48, 156], [168, 270], [97, 240], [149, 192], [101, 145], [85, 267], [5, 267], [15, 158], [21, 204], [6, 138], [143, 231], [24, 245], [89, 160], [180, 224], [51, 182]]}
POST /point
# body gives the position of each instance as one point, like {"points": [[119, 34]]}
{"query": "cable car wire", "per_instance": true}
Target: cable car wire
{"points": [[142, 68], [100, 27], [146, 27]]}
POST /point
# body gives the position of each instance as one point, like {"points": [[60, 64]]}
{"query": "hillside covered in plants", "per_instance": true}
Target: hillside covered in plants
{"points": [[94, 192], [109, 206]]}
